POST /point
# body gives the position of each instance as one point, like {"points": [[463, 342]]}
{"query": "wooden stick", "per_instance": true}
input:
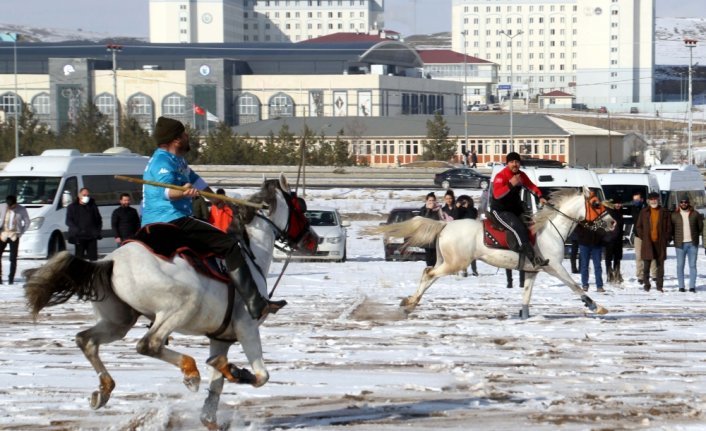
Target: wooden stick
{"points": [[182, 188]]}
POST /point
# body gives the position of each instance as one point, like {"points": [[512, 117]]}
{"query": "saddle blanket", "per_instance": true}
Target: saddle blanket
{"points": [[496, 237]]}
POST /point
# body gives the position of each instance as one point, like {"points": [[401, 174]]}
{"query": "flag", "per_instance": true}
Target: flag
{"points": [[211, 117], [199, 110]]}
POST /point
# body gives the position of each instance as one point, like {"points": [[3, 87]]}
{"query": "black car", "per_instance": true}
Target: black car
{"points": [[462, 177], [394, 247]]}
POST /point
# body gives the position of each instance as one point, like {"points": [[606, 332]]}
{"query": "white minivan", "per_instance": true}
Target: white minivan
{"points": [[48, 183], [679, 181]]}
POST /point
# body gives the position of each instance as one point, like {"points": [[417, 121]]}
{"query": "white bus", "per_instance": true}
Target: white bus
{"points": [[48, 183]]}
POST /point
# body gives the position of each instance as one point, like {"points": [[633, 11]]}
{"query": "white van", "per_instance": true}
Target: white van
{"points": [[48, 183], [620, 185], [678, 181]]}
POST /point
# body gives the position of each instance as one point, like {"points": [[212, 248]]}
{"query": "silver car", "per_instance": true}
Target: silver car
{"points": [[332, 232]]}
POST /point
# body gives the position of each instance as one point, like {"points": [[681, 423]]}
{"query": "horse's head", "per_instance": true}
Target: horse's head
{"points": [[286, 212], [596, 215], [581, 207]]}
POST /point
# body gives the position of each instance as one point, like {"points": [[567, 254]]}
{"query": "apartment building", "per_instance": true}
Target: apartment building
{"points": [[600, 50], [229, 21]]}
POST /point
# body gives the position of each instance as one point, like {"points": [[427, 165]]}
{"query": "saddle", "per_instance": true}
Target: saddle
{"points": [[495, 235], [166, 240]]}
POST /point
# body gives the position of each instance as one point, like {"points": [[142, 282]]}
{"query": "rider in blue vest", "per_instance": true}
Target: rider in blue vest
{"points": [[164, 205]]}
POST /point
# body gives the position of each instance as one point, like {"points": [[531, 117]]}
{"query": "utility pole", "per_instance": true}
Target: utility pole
{"points": [[512, 99], [465, 94], [116, 126], [691, 44], [7, 37]]}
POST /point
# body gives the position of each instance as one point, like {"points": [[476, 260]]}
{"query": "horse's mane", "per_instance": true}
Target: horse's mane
{"points": [[556, 198], [267, 194]]}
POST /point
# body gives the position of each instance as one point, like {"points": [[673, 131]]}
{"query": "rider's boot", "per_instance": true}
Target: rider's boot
{"points": [[534, 258], [258, 306]]}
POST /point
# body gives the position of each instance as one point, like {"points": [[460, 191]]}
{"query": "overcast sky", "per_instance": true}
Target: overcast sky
{"points": [[130, 17]]}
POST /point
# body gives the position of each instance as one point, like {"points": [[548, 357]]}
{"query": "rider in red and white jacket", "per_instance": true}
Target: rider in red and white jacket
{"points": [[506, 208]]}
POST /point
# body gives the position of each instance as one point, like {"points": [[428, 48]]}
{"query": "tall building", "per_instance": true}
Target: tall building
{"points": [[600, 50], [228, 21]]}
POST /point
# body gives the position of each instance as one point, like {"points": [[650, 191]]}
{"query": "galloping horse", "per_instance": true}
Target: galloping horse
{"points": [[461, 241], [132, 281]]}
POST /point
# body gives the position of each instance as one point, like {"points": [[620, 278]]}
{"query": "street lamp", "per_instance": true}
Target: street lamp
{"points": [[116, 134], [465, 92], [691, 44], [511, 37]]}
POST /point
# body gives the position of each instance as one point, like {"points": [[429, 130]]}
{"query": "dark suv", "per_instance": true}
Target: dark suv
{"points": [[394, 249]]}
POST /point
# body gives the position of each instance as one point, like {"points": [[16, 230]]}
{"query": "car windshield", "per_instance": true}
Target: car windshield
{"points": [[30, 190], [400, 216], [321, 218]]}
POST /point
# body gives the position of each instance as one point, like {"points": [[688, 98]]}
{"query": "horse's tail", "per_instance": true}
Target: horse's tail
{"points": [[418, 231], [64, 276]]}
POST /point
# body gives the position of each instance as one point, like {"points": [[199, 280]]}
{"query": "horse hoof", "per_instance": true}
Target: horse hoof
{"points": [[601, 310], [209, 422], [99, 399], [408, 304], [192, 383]]}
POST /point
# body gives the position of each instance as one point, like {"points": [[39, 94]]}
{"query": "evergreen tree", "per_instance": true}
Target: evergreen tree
{"points": [[135, 138], [438, 146], [91, 132]]}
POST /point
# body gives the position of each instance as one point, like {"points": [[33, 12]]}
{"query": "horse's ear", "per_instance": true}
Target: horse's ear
{"points": [[586, 192], [283, 184]]}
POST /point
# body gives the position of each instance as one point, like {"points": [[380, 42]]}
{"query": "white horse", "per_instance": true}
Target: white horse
{"points": [[132, 281], [461, 241]]}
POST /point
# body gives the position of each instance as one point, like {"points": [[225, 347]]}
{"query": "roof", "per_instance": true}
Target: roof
{"points": [[432, 56], [479, 125], [578, 129], [556, 93], [344, 38]]}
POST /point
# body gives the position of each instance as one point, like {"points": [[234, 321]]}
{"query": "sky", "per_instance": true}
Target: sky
{"points": [[130, 17], [343, 356]]}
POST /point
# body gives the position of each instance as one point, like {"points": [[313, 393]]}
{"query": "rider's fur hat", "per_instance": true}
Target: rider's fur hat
{"points": [[166, 130], [512, 156]]}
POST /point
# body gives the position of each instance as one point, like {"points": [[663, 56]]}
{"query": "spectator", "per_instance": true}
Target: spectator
{"points": [[638, 204], [687, 225], [574, 252], [15, 221], [431, 210], [199, 206], [221, 213], [474, 159], [590, 248], [449, 211], [85, 225], [654, 227], [614, 245], [465, 209], [125, 220]]}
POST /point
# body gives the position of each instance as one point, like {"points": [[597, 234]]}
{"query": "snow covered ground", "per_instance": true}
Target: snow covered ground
{"points": [[342, 355]]}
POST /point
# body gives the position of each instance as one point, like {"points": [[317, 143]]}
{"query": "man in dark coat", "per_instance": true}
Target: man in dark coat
{"points": [[654, 226], [125, 220], [85, 225], [431, 210], [614, 245]]}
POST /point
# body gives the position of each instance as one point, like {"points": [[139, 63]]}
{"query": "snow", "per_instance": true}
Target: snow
{"points": [[342, 354]]}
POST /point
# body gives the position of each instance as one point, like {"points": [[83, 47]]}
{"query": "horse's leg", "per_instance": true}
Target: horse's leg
{"points": [[560, 273], [527, 294], [116, 319], [429, 276], [209, 412], [152, 344]]}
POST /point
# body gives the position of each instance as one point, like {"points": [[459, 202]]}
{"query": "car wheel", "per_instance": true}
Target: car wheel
{"points": [[56, 244], [345, 255], [483, 184], [445, 184]]}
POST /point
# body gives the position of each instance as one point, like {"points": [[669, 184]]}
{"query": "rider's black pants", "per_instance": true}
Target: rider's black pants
{"points": [[517, 234], [204, 236]]}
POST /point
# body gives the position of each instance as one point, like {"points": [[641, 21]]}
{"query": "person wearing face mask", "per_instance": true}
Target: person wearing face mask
{"points": [[164, 205], [15, 221], [85, 225], [125, 220], [654, 226], [687, 225]]}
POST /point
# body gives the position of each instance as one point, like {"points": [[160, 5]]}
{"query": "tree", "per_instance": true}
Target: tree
{"points": [[91, 132], [438, 146], [135, 138]]}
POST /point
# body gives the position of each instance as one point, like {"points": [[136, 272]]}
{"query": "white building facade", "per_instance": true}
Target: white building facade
{"points": [[232, 21], [600, 50]]}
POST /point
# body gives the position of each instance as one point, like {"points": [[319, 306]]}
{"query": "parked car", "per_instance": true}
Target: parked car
{"points": [[634, 110], [496, 107], [394, 247], [462, 177], [579, 107], [479, 108], [602, 110], [327, 224]]}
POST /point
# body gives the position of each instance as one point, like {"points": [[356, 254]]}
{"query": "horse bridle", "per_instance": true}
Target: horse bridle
{"points": [[594, 225]]}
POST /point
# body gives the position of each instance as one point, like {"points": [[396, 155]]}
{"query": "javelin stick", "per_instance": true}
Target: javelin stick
{"points": [[182, 188]]}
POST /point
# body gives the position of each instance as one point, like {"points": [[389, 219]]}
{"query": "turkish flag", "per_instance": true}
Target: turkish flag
{"points": [[199, 110]]}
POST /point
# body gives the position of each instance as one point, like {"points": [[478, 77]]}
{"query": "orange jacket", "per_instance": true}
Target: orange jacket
{"points": [[221, 217]]}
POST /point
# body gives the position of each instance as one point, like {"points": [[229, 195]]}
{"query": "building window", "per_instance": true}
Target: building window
{"points": [[248, 109], [104, 103], [281, 105], [174, 105], [41, 104]]}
